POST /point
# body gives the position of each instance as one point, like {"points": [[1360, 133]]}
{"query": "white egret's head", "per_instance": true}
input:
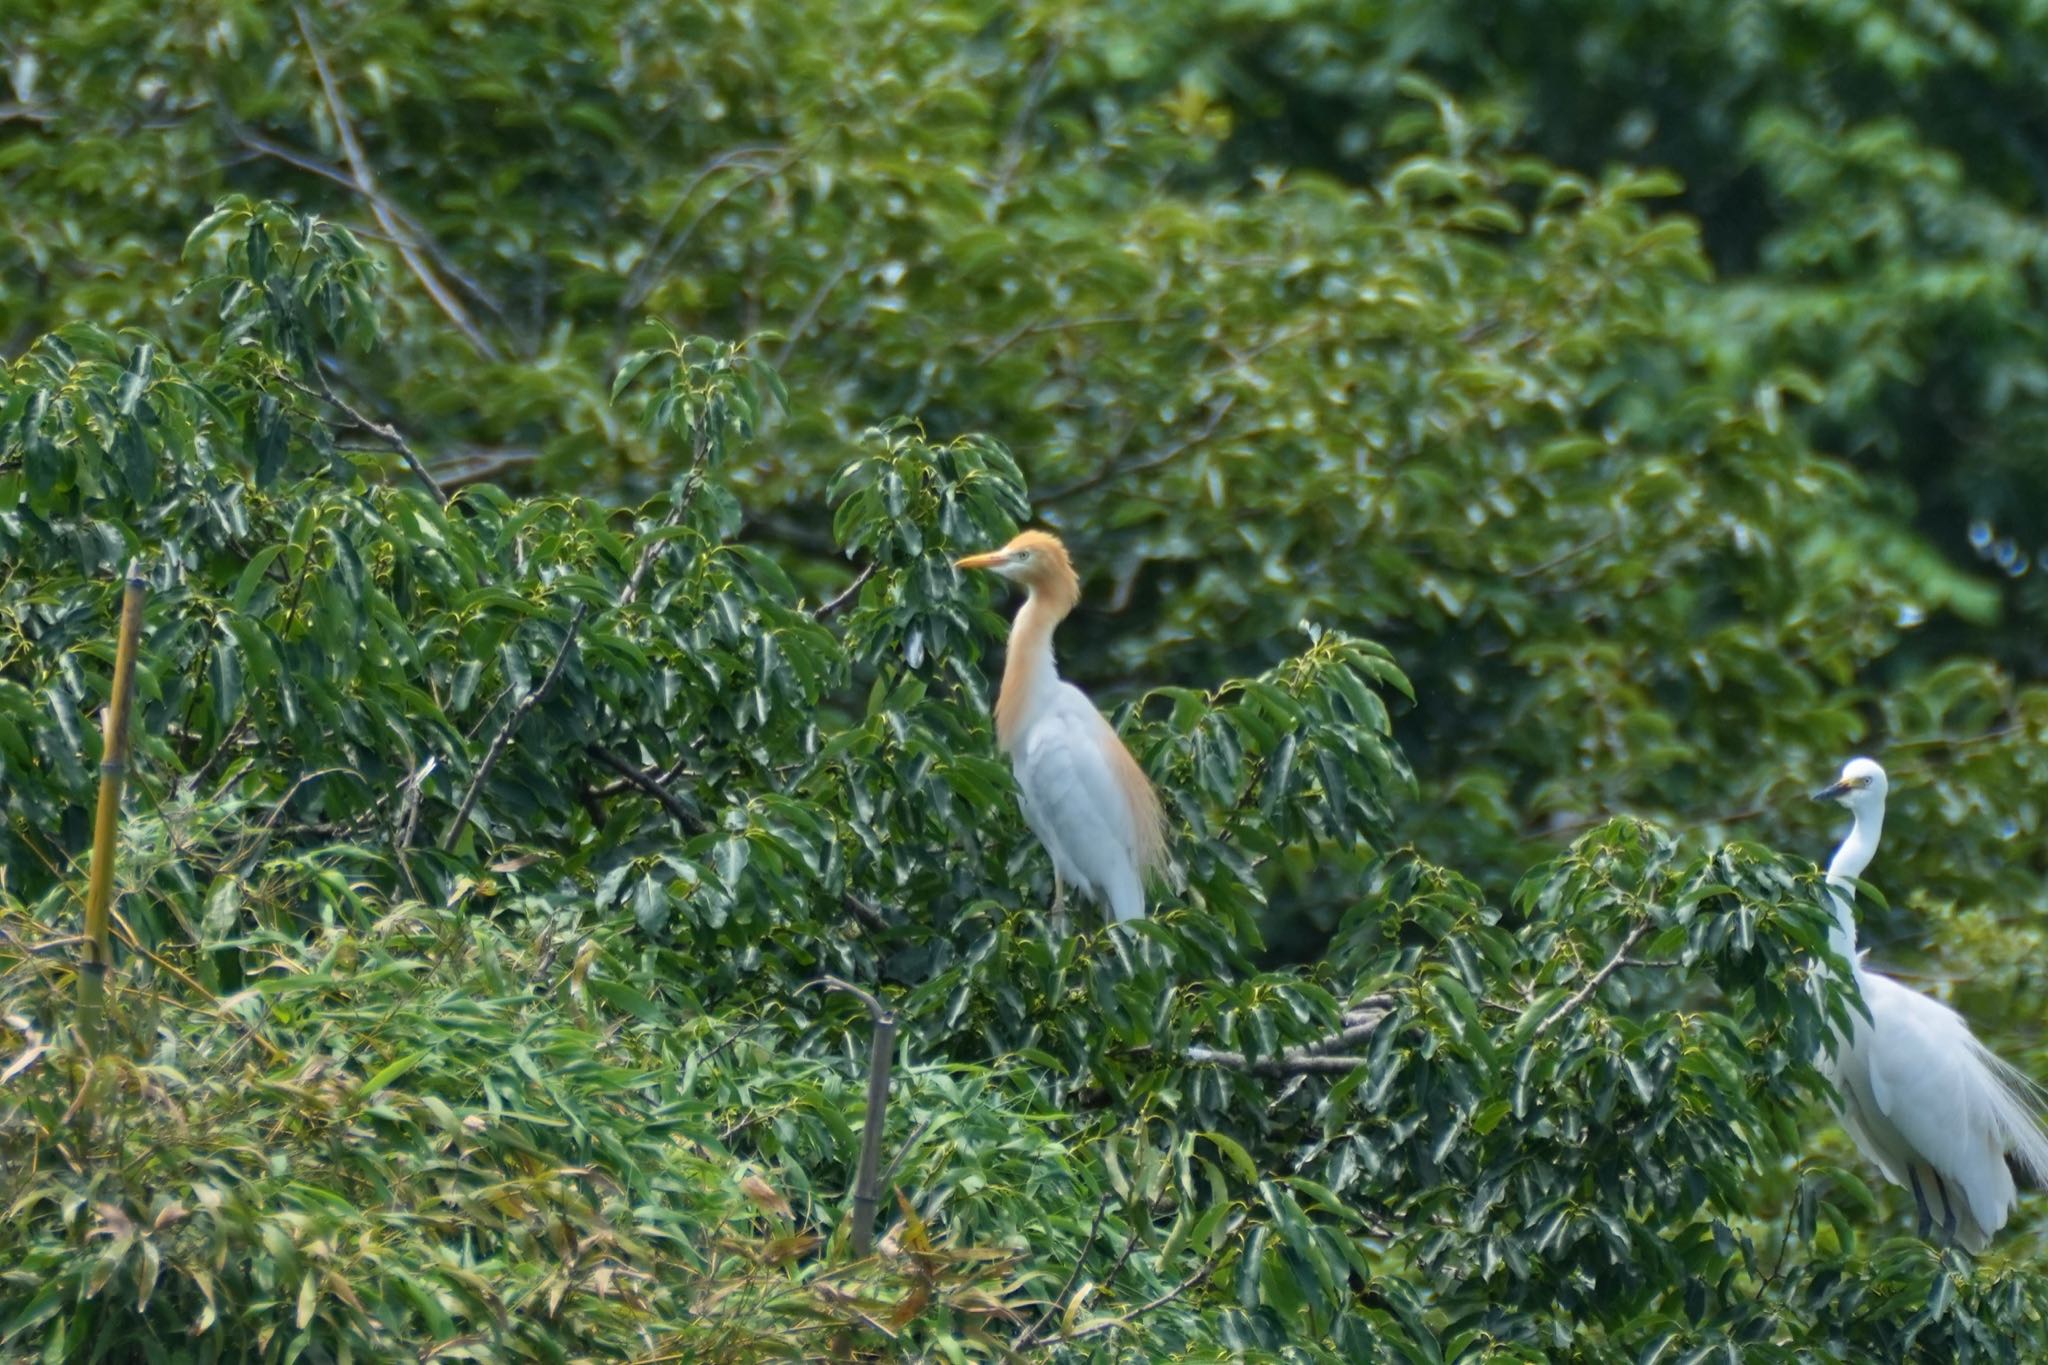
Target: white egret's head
{"points": [[1035, 559], [1860, 787]]}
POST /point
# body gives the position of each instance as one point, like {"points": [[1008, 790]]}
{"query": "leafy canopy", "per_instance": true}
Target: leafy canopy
{"points": [[488, 845]]}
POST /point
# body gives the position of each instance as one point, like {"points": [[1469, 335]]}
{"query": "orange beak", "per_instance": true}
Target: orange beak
{"points": [[983, 561]]}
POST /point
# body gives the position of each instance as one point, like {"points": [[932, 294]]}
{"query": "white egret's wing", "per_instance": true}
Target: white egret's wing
{"points": [[1928, 1078], [1071, 795], [1849, 1071]]}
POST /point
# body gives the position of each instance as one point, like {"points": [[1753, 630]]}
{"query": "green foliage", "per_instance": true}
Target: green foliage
{"points": [[538, 701]]}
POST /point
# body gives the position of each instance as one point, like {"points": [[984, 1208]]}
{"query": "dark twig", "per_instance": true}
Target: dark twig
{"points": [[477, 464], [864, 910], [1039, 327], [670, 774], [1202, 1272], [503, 738], [1991, 736], [1052, 1306], [1594, 982], [220, 750], [1558, 560], [832, 608], [1217, 412], [1288, 1063], [904, 1151], [1014, 141], [641, 282], [384, 432], [366, 181], [313, 165], [691, 822], [812, 307]]}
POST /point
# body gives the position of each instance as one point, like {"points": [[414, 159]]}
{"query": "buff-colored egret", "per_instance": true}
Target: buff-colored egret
{"points": [[1084, 796], [1933, 1108]]}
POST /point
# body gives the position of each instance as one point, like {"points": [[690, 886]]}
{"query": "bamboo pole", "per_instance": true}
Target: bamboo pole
{"points": [[867, 1194], [99, 897]]}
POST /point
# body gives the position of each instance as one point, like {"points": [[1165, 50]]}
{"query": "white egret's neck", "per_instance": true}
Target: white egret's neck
{"points": [[1848, 863], [1029, 673]]}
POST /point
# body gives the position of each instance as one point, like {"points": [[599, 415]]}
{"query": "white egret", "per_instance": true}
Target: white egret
{"points": [[1933, 1108], [1084, 796]]}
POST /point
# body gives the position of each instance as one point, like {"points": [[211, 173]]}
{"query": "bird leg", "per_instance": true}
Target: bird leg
{"points": [[1948, 1201], [1059, 904], [1926, 1223]]}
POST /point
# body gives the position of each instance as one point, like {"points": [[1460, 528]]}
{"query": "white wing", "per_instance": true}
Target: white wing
{"points": [[1933, 1108], [1073, 803]]}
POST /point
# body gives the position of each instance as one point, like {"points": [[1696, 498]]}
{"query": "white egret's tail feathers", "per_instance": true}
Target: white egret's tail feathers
{"points": [[2014, 1103]]}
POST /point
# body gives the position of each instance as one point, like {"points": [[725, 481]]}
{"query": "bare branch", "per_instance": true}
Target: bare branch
{"points": [[1041, 326], [691, 822], [366, 181], [1014, 141], [384, 432], [812, 307], [1320, 1056], [864, 910], [640, 283], [1052, 1306], [1288, 1063], [1594, 982], [1202, 1272], [474, 464], [1217, 412], [313, 165], [504, 736], [832, 608], [908, 1143], [1566, 556]]}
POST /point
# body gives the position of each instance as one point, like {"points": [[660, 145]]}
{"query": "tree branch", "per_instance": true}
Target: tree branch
{"points": [[1052, 1306], [504, 736], [1014, 141], [832, 608], [1202, 1272], [313, 165], [864, 910], [1593, 983], [384, 432], [1320, 1056], [812, 308], [691, 822], [640, 282], [1217, 412], [881, 1052], [366, 182], [476, 463]]}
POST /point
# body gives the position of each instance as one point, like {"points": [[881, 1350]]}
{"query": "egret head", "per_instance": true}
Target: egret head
{"points": [[1035, 559], [1860, 786]]}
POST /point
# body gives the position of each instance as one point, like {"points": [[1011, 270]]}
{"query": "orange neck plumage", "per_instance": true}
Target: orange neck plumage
{"points": [[1028, 670]]}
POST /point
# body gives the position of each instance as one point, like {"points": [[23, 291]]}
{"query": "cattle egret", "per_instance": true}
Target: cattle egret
{"points": [[1929, 1105], [1084, 796]]}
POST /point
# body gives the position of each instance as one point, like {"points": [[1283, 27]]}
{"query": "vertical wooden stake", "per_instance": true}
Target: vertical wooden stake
{"points": [[92, 966], [866, 1197]]}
